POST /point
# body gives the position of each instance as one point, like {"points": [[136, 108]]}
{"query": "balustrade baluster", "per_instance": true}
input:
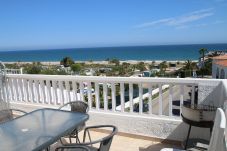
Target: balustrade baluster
{"points": [[170, 99], [32, 95], [68, 91], [43, 92], [26, 90], [105, 96], [122, 89], [61, 87], [131, 97], [160, 99], [37, 91], [89, 91], [113, 90], [193, 95], [181, 97], [49, 92], [150, 99], [74, 90], [97, 96], [55, 92], [140, 98], [11, 89], [81, 91], [16, 89], [21, 89]]}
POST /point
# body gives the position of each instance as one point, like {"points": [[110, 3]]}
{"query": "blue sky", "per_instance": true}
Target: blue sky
{"points": [[42, 24]]}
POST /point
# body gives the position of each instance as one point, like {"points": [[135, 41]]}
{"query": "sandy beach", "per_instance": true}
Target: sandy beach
{"points": [[104, 62]]}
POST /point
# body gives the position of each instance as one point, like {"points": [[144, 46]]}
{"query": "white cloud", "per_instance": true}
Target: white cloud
{"points": [[180, 20]]}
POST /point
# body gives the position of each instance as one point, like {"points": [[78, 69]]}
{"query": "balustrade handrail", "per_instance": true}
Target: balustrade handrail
{"points": [[159, 80]]}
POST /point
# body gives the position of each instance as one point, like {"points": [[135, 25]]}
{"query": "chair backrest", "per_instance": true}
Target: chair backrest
{"points": [[106, 142], [79, 106], [76, 106], [5, 112], [217, 141]]}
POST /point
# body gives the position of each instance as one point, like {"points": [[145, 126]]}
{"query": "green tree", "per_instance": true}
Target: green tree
{"points": [[67, 61], [34, 68], [49, 71], [188, 66], [115, 61], [76, 67], [202, 52], [163, 65], [152, 65], [141, 66]]}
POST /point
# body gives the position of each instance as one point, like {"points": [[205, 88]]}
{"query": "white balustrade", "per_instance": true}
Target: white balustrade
{"points": [[13, 71], [129, 95]]}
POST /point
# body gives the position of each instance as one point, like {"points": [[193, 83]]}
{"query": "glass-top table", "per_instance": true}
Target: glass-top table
{"points": [[38, 129]]}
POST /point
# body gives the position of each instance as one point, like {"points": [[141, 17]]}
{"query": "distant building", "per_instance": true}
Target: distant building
{"points": [[146, 74], [219, 67]]}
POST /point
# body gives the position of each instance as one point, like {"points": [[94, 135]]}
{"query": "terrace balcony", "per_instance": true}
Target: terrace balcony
{"points": [[145, 110]]}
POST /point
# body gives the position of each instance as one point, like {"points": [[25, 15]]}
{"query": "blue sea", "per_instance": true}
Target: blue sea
{"points": [[158, 52]]}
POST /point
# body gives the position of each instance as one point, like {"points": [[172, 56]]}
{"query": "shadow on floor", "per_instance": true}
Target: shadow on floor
{"points": [[158, 147]]}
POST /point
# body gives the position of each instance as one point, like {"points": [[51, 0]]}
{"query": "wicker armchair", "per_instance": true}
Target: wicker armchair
{"points": [[75, 106]]}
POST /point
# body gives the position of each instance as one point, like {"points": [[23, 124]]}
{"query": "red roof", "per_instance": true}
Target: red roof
{"points": [[222, 63]]}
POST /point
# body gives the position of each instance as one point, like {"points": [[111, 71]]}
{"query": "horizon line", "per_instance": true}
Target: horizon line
{"points": [[115, 46]]}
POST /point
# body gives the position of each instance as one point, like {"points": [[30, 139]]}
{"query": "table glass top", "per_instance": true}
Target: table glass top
{"points": [[38, 129]]}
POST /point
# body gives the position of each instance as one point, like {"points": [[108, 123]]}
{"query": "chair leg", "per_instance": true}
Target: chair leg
{"points": [[70, 139], [89, 136], [61, 141], [77, 137], [211, 129], [186, 143]]}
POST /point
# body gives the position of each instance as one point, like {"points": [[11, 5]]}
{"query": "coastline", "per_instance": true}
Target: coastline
{"points": [[102, 62]]}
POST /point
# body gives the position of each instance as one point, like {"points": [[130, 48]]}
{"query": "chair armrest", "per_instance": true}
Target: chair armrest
{"points": [[64, 105], [86, 130], [18, 110]]}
